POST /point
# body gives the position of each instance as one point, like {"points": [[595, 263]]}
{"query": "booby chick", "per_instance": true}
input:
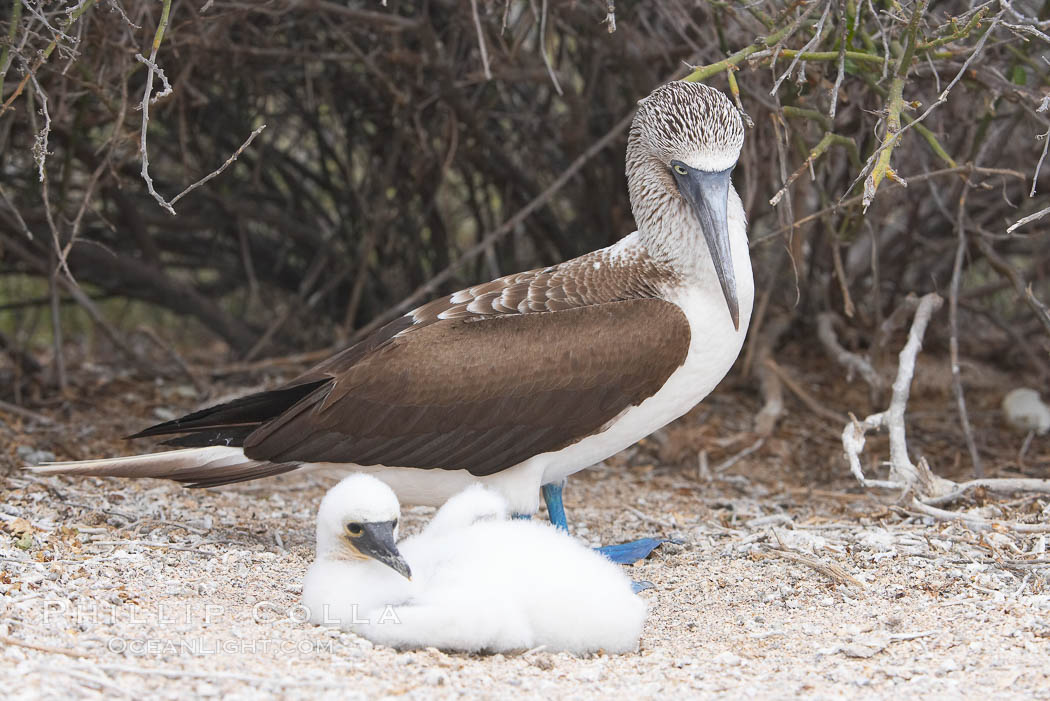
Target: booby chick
{"points": [[479, 581]]}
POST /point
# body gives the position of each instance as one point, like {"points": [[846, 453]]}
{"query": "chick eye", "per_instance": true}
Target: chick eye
{"points": [[680, 169], [354, 529], [395, 523]]}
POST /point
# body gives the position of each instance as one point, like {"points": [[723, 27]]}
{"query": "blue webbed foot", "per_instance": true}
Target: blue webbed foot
{"points": [[630, 553]]}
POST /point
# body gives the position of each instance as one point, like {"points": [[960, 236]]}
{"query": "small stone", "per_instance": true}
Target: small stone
{"points": [[435, 678], [206, 689], [164, 413], [860, 650], [1025, 411], [32, 456], [728, 659], [543, 662]]}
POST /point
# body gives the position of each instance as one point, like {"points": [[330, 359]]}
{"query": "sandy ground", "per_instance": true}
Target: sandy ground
{"points": [[787, 579], [144, 588]]}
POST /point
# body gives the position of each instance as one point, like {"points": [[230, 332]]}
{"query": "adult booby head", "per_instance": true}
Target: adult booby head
{"points": [[684, 143], [358, 520]]}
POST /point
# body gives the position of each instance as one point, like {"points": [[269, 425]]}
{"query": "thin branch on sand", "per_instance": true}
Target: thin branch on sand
{"points": [[976, 522], [828, 569]]}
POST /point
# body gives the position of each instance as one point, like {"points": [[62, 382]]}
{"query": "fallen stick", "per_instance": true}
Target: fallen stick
{"points": [[976, 522], [7, 640], [1003, 486], [8, 408], [828, 569]]}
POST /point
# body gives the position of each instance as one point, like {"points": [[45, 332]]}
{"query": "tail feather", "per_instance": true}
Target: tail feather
{"points": [[238, 417], [197, 467]]}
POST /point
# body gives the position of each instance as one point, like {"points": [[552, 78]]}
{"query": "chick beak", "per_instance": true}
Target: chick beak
{"points": [[377, 542], [708, 196]]}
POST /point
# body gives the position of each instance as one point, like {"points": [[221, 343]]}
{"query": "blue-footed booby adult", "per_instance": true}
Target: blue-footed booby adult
{"points": [[519, 382]]}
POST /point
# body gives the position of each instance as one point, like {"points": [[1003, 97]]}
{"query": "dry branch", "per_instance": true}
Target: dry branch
{"points": [[851, 361], [928, 488], [976, 522], [1003, 485], [904, 474], [805, 397], [829, 569], [1023, 290], [953, 339]]}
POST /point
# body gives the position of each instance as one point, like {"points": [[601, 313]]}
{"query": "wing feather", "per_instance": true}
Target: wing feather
{"points": [[483, 394]]}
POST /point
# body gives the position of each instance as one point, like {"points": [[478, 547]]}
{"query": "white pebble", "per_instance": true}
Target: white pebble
{"points": [[435, 678], [728, 659], [1025, 411]]}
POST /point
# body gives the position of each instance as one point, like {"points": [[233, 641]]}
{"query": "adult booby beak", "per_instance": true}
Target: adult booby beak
{"points": [[376, 540], [708, 196]]}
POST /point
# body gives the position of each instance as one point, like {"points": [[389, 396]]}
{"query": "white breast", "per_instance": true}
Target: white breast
{"points": [[713, 349]]}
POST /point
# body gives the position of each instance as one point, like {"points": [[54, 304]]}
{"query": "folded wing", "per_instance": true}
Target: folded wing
{"points": [[483, 394]]}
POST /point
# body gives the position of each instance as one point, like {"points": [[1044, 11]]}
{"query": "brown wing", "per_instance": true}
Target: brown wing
{"points": [[483, 393]]}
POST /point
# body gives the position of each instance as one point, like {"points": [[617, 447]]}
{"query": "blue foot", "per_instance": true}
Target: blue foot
{"points": [[622, 554], [630, 553], [555, 507]]}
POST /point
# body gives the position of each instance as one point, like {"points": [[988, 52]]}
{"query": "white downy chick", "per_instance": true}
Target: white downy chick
{"points": [[479, 581], [357, 567]]}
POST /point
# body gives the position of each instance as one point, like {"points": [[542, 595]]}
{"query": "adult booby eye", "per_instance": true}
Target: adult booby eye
{"points": [[680, 169]]}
